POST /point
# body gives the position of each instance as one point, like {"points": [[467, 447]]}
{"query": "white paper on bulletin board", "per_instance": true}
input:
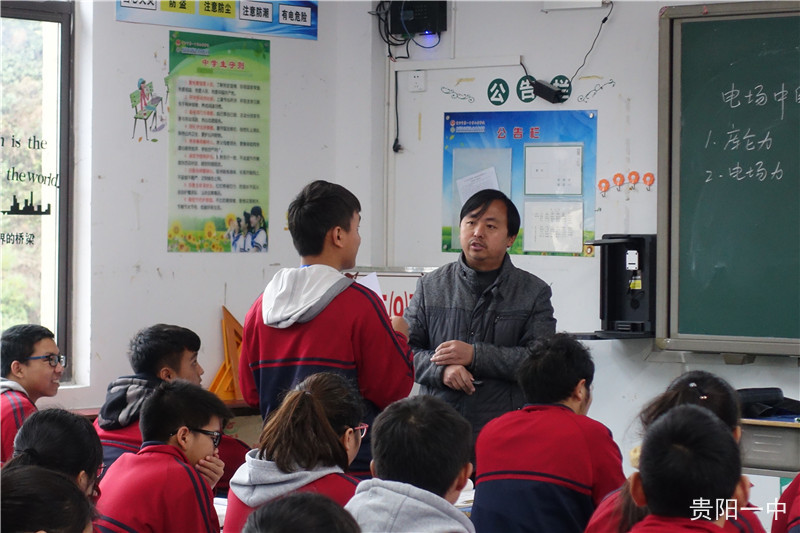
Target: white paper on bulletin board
{"points": [[553, 169], [553, 227], [469, 185]]}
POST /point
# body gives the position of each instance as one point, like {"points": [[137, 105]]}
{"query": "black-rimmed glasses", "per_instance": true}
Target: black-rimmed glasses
{"points": [[216, 436], [52, 358], [362, 428]]}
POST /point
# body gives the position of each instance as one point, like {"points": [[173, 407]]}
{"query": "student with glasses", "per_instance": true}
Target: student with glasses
{"points": [[306, 445], [161, 352], [159, 488], [60, 440], [32, 366]]}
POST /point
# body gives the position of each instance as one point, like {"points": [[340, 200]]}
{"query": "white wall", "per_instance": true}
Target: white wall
{"points": [[327, 121]]}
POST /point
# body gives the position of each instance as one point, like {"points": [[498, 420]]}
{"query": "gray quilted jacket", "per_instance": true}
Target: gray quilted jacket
{"points": [[502, 324]]}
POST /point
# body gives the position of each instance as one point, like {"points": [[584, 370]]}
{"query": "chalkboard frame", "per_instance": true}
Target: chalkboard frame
{"points": [[667, 335]]}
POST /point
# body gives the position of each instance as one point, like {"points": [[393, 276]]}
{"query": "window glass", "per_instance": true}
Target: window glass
{"points": [[34, 169]]}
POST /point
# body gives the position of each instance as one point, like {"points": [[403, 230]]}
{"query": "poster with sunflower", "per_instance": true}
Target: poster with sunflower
{"points": [[218, 98]]}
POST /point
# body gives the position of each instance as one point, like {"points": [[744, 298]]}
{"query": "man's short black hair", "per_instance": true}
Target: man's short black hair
{"points": [[481, 201], [422, 441], [320, 206], [688, 454], [555, 366], [179, 403], [161, 345], [16, 344], [309, 512]]}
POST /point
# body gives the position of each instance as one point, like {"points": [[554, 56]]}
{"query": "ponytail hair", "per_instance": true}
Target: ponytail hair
{"points": [[697, 387], [304, 431], [59, 440]]}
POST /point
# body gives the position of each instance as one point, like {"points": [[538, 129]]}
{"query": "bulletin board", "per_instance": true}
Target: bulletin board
{"points": [[731, 149], [416, 192], [546, 163]]}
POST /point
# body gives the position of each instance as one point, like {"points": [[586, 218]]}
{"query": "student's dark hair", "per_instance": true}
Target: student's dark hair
{"points": [[309, 512], [700, 388], [304, 431], [553, 369], [696, 387], [16, 344], [59, 440], [179, 403], [481, 201], [320, 206], [688, 454], [259, 213], [155, 347], [422, 441], [33, 498]]}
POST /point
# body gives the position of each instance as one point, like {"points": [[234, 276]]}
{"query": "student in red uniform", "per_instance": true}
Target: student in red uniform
{"points": [[618, 512], [306, 445], [31, 368], [315, 319], [162, 352], [787, 519], [159, 488], [689, 463], [63, 441], [546, 466]]}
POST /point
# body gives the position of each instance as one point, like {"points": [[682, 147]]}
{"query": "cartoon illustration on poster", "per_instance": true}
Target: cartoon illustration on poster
{"points": [[545, 161], [219, 136]]}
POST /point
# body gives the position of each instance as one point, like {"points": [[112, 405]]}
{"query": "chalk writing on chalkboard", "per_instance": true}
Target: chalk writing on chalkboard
{"points": [[732, 180]]}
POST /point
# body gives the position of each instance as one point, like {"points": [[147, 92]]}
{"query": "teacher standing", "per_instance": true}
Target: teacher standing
{"points": [[472, 322]]}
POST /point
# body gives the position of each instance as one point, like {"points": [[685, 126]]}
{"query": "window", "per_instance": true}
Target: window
{"points": [[35, 164]]}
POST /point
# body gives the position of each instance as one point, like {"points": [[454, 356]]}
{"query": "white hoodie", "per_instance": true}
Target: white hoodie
{"points": [[258, 481], [394, 507], [300, 294]]}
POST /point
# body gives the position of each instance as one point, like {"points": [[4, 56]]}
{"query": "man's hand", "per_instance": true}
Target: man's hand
{"points": [[399, 324], [454, 353], [459, 378], [211, 468]]}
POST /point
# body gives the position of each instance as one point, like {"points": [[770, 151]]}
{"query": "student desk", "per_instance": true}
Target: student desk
{"points": [[771, 447]]}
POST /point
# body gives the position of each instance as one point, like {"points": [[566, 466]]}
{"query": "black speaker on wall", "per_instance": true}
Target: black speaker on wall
{"points": [[409, 18]]}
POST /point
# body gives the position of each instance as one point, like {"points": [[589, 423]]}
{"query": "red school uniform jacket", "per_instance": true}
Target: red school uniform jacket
{"points": [[787, 517], [606, 519], [342, 328], [155, 490], [671, 524], [543, 468], [129, 439], [15, 407]]}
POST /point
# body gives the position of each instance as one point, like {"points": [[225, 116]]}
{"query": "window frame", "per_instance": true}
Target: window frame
{"points": [[63, 13]]}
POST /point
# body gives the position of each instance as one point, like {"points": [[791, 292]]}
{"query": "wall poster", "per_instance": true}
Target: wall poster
{"points": [[545, 161], [287, 18], [218, 92]]}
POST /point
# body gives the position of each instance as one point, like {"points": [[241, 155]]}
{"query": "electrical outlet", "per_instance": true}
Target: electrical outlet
{"points": [[416, 83]]}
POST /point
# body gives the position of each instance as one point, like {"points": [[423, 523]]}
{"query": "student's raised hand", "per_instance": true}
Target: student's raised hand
{"points": [[454, 353], [459, 378], [211, 468]]}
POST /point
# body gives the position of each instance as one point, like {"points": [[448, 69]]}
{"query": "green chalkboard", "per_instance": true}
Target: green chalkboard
{"points": [[735, 176]]}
